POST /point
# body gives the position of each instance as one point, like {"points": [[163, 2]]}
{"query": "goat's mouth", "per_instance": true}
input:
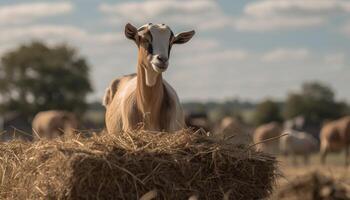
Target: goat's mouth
{"points": [[159, 67]]}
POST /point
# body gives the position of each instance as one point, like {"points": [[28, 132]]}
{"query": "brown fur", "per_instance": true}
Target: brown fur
{"points": [[53, 123], [267, 131], [150, 107], [335, 136], [112, 89], [152, 102]]}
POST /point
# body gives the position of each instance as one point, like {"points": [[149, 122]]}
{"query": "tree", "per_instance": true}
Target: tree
{"points": [[267, 111], [315, 102], [38, 77]]}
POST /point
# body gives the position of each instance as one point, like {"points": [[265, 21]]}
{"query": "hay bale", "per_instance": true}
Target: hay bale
{"points": [[129, 165], [312, 186]]}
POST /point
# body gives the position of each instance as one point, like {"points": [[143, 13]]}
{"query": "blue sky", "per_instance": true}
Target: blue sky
{"points": [[247, 49]]}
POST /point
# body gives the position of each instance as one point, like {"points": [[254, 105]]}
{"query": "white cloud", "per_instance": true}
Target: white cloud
{"points": [[229, 55], [55, 33], [345, 29], [277, 23], [336, 61], [197, 45], [266, 15], [337, 58], [284, 54], [271, 15], [97, 46], [204, 15], [139, 10], [201, 14], [278, 7], [219, 56], [27, 12]]}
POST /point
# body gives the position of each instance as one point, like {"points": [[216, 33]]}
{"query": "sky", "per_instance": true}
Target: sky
{"points": [[253, 49]]}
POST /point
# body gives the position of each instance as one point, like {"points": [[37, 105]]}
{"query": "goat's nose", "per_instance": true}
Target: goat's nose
{"points": [[162, 58]]}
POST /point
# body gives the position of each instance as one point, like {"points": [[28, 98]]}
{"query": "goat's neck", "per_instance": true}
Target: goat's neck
{"points": [[149, 98]]}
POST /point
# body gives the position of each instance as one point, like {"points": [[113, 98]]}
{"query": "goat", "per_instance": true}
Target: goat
{"points": [[145, 98]]}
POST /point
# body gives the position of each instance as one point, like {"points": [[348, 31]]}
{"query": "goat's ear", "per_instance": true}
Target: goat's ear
{"points": [[183, 37], [131, 32]]}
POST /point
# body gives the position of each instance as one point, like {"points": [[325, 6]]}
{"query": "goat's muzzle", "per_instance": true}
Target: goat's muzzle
{"points": [[160, 63]]}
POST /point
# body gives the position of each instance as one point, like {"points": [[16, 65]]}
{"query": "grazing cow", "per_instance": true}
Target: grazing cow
{"points": [[233, 131], [298, 143], [145, 98], [265, 132], [54, 123], [334, 137]]}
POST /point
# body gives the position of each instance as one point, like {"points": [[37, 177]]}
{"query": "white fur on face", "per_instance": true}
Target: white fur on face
{"points": [[160, 44]]}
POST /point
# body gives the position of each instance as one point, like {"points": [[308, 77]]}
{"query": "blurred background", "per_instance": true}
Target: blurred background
{"points": [[257, 61], [253, 66]]}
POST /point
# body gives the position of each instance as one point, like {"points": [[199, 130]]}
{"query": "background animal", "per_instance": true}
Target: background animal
{"points": [[54, 123], [335, 136], [296, 123], [198, 121], [145, 100], [233, 131], [265, 132], [301, 123], [298, 143]]}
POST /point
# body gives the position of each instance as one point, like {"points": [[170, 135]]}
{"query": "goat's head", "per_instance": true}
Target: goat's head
{"points": [[154, 42]]}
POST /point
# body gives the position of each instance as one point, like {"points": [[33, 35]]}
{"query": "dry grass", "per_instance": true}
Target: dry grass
{"points": [[313, 186], [128, 165], [313, 181]]}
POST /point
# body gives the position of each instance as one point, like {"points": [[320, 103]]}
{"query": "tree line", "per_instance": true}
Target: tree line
{"points": [[315, 101], [36, 77]]}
